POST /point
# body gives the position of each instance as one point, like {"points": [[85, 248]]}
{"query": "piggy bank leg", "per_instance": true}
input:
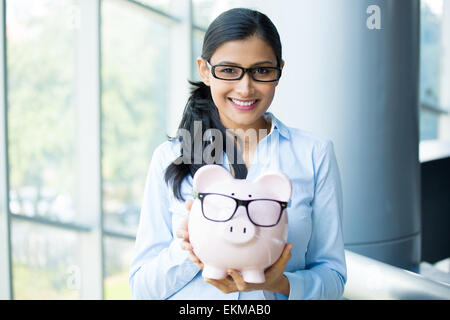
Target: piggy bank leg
{"points": [[213, 272], [253, 276]]}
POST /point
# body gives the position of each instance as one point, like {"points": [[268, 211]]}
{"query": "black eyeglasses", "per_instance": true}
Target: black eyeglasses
{"points": [[231, 73], [261, 212]]}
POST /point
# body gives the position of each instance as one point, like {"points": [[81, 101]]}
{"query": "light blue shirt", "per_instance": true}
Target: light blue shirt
{"points": [[161, 269]]}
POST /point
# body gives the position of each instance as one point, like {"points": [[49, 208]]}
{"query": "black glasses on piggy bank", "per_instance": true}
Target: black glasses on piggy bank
{"points": [[261, 212]]}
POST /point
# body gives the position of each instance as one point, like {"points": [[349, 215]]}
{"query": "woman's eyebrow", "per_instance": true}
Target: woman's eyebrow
{"points": [[237, 64]]}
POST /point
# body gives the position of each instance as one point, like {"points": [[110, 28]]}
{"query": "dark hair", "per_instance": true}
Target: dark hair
{"points": [[234, 24]]}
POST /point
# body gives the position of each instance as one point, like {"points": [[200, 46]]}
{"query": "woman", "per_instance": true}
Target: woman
{"points": [[240, 67]]}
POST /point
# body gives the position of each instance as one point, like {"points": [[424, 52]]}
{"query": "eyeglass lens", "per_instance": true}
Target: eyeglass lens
{"points": [[217, 207], [264, 212], [260, 73]]}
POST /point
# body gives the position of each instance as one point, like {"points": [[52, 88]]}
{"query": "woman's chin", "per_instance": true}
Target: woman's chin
{"points": [[243, 121]]}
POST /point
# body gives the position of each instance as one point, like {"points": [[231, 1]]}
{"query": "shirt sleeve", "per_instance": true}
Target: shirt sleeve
{"points": [[160, 266], [325, 271]]}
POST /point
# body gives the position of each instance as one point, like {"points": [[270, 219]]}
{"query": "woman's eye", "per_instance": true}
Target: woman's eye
{"points": [[227, 70], [262, 70]]}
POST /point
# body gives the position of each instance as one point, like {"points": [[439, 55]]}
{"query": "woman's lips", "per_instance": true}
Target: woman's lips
{"points": [[243, 104]]}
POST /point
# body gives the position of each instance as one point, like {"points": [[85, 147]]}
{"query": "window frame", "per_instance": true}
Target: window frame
{"points": [[90, 229]]}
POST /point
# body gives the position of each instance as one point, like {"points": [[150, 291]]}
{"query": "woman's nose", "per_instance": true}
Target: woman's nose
{"points": [[245, 86]]}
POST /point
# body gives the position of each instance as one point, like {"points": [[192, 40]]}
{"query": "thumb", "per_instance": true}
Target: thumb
{"points": [[287, 252], [189, 204]]}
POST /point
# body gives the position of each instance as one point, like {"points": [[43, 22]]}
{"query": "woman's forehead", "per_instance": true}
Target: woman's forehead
{"points": [[244, 52]]}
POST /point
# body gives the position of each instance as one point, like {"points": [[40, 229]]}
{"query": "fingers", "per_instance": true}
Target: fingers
{"points": [[287, 252], [282, 261], [239, 282], [226, 285], [189, 204], [182, 233], [235, 282], [195, 260], [186, 246]]}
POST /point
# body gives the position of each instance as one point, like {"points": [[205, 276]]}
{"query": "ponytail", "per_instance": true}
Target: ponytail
{"points": [[200, 107], [234, 24]]}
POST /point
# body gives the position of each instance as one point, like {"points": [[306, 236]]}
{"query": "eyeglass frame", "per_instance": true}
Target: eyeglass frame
{"points": [[244, 71], [239, 202]]}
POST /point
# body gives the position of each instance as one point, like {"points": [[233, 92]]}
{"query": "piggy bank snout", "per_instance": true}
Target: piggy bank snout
{"points": [[238, 231]]}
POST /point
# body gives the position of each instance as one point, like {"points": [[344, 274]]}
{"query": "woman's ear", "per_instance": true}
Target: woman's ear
{"points": [[203, 70], [281, 66]]}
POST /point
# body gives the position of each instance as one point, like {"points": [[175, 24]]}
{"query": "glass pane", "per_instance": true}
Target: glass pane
{"points": [[163, 5], [197, 43], [430, 65], [118, 254], [45, 262], [202, 11], [429, 122], [41, 120], [430, 40], [135, 79], [205, 11]]}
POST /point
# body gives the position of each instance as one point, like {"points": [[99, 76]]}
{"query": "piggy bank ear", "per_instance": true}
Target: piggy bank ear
{"points": [[278, 185], [208, 175]]}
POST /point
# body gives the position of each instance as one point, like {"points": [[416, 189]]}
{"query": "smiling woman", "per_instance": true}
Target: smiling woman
{"points": [[241, 104], [240, 67], [240, 39]]}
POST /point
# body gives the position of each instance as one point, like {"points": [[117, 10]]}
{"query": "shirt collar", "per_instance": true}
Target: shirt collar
{"points": [[277, 125]]}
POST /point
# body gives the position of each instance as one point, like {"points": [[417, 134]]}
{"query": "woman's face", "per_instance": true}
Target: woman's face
{"points": [[232, 98]]}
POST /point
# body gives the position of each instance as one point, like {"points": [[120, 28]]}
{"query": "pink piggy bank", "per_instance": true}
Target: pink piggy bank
{"points": [[237, 223]]}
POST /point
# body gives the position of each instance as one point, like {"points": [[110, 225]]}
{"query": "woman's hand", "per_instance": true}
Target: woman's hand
{"points": [[183, 233], [276, 281]]}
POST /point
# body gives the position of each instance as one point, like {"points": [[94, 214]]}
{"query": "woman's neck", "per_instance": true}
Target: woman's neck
{"points": [[249, 138], [260, 129]]}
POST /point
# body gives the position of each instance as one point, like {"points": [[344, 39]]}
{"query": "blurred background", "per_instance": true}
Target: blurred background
{"points": [[89, 88]]}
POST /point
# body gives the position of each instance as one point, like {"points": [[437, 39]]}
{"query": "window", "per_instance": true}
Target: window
{"points": [[434, 75], [41, 68], [92, 87], [197, 42], [45, 261], [41, 113], [118, 254], [134, 103], [86, 103], [203, 13]]}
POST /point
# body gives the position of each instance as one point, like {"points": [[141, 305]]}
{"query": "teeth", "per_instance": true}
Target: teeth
{"points": [[244, 104]]}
